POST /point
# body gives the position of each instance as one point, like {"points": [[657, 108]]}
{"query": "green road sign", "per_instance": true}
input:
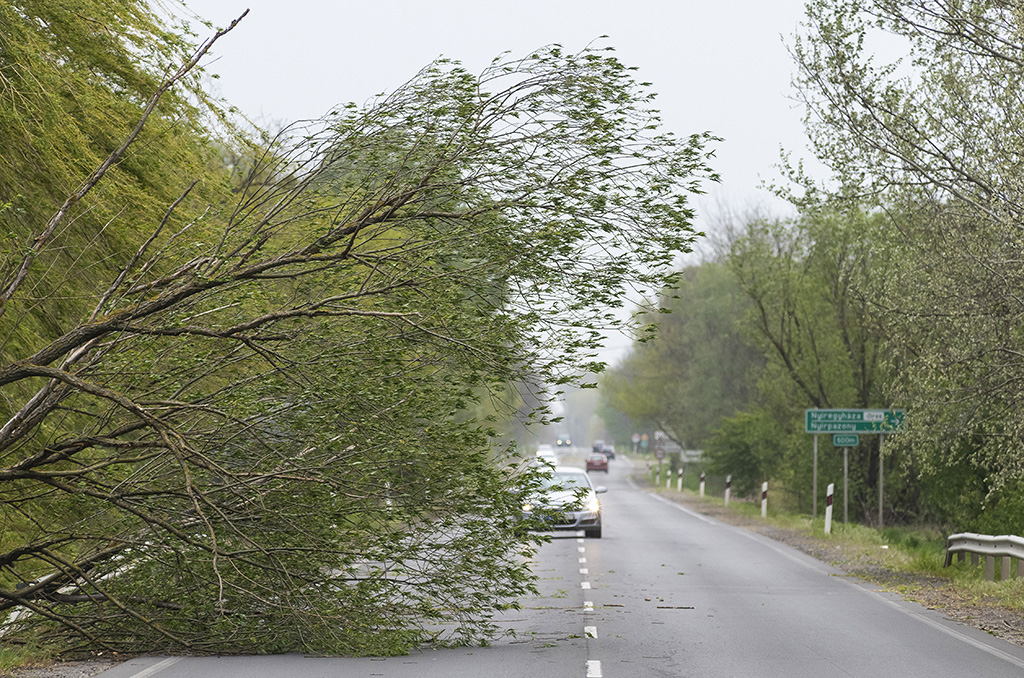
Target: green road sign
{"points": [[853, 421], [846, 440]]}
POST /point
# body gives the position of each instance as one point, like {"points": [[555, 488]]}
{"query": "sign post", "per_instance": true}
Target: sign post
{"points": [[852, 422], [814, 482], [846, 441], [881, 465], [846, 485]]}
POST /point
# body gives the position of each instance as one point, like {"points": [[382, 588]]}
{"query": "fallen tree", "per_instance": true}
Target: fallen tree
{"points": [[264, 421]]}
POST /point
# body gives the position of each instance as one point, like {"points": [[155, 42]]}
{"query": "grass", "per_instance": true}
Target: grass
{"points": [[21, 656]]}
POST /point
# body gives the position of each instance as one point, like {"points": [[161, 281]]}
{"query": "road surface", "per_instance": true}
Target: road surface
{"points": [[669, 592]]}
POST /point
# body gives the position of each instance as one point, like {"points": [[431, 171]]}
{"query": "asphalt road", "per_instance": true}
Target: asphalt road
{"points": [[668, 592]]}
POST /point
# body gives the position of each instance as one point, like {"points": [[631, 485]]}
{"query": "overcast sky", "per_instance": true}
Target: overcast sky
{"points": [[717, 65]]}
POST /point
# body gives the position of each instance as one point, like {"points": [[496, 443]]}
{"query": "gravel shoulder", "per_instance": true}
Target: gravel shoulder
{"points": [[72, 669], [935, 593]]}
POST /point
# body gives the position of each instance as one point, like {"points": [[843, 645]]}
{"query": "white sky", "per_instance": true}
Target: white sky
{"points": [[717, 65]]}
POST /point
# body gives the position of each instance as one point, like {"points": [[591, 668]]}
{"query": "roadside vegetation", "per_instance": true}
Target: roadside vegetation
{"points": [[895, 284]]}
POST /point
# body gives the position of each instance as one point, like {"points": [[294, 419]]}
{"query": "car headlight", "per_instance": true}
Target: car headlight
{"points": [[527, 508], [593, 505]]}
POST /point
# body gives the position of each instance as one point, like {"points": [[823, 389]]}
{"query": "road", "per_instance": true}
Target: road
{"points": [[669, 592]]}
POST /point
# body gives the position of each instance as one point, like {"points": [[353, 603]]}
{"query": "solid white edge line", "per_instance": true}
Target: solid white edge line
{"points": [[156, 668], [938, 626], [594, 668], [823, 568]]}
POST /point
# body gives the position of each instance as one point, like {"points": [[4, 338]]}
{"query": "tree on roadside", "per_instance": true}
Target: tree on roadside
{"points": [[234, 410], [930, 141], [812, 285], [698, 368]]}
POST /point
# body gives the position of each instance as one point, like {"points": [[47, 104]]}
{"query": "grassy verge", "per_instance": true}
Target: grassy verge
{"points": [[21, 656]]}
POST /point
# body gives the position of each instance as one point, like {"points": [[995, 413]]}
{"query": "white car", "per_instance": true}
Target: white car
{"points": [[549, 459], [546, 453], [561, 494]]}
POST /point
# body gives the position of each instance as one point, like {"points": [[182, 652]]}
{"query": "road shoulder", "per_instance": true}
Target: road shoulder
{"points": [[935, 593]]}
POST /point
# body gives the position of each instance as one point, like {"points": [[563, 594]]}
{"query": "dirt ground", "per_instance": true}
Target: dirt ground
{"points": [[932, 592]]}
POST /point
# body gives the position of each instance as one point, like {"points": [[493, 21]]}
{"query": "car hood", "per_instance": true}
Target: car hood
{"points": [[565, 499]]}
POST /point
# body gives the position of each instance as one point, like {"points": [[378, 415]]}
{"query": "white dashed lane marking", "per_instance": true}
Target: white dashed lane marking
{"points": [[593, 665]]}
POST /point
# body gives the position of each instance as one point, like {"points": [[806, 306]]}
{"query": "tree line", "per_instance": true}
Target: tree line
{"points": [[896, 283]]}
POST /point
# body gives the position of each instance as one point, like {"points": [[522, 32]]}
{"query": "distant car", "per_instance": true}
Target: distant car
{"points": [[546, 454], [598, 446], [597, 462], [570, 501], [608, 450], [564, 441]]}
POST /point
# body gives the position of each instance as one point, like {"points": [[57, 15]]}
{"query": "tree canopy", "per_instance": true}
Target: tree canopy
{"points": [[701, 366], [929, 141], [897, 284]]}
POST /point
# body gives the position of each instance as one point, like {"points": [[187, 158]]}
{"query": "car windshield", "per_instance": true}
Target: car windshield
{"points": [[566, 480]]}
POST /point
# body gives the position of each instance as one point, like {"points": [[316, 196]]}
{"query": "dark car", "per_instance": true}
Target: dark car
{"points": [[568, 501], [608, 450], [597, 462]]}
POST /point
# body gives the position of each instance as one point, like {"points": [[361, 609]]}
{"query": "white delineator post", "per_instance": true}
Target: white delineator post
{"points": [[668, 478], [828, 508], [702, 485], [764, 499], [728, 488], [679, 481]]}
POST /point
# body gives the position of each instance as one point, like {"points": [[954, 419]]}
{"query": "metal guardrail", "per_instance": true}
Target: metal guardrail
{"points": [[1006, 547]]}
